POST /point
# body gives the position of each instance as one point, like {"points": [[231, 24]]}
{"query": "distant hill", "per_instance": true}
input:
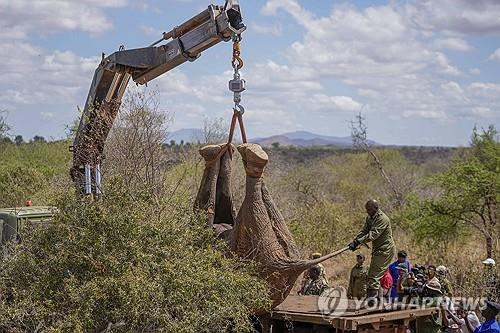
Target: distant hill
{"points": [[186, 134], [305, 139], [297, 138]]}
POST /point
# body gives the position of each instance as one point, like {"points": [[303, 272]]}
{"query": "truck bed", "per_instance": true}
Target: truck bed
{"points": [[298, 311]]}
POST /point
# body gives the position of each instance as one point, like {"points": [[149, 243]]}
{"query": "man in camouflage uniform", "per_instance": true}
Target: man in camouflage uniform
{"points": [[442, 271], [307, 274], [490, 280], [377, 229], [357, 280], [315, 284]]}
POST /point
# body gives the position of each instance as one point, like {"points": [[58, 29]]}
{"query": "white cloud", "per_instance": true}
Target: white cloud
{"points": [[495, 55], [273, 30], [475, 71], [456, 16], [44, 17], [485, 90], [47, 115], [425, 114], [33, 76], [334, 103], [147, 30], [454, 44], [388, 55]]}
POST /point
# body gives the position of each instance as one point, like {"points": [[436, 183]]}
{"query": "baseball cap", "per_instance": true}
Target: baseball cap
{"points": [[489, 262], [402, 253], [441, 269], [494, 306]]}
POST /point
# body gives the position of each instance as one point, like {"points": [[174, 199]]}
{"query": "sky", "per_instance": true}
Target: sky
{"points": [[422, 72]]}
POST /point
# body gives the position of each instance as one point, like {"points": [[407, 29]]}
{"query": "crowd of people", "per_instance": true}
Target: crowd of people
{"points": [[398, 281]]}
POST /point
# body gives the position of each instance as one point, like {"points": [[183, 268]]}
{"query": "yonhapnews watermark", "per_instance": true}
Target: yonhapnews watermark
{"points": [[334, 302]]}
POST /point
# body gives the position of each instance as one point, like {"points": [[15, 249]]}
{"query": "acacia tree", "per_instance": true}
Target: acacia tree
{"points": [[134, 149], [359, 135], [4, 126], [468, 195], [214, 131]]}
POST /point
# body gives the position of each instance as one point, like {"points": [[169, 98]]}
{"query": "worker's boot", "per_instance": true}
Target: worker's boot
{"points": [[372, 297]]}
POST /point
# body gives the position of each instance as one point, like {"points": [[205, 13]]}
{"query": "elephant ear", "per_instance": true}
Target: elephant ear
{"points": [[214, 194]]}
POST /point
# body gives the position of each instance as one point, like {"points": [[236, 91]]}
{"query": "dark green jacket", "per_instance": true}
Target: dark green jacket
{"points": [[377, 229], [357, 282]]}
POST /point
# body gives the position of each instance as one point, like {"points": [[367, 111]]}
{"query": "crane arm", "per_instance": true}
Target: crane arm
{"points": [[184, 43]]}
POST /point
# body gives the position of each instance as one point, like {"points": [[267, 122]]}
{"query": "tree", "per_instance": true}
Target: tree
{"points": [[468, 195], [38, 138], [72, 127], [275, 145], [214, 131], [18, 139], [360, 140], [4, 126], [134, 149]]}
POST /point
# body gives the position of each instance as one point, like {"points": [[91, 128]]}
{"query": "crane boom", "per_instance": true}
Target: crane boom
{"points": [[184, 43]]}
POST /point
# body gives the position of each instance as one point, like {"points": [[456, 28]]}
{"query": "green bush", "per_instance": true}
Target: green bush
{"points": [[324, 227], [124, 260], [18, 183], [31, 171]]}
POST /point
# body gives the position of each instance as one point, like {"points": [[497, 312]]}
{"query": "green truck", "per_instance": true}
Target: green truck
{"points": [[14, 220]]}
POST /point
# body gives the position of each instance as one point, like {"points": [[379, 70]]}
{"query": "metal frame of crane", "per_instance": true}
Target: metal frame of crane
{"points": [[184, 43]]}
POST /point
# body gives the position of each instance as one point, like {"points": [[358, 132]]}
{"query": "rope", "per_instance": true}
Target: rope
{"points": [[237, 116]]}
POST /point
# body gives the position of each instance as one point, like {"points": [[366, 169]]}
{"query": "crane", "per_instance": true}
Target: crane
{"points": [[183, 43]]}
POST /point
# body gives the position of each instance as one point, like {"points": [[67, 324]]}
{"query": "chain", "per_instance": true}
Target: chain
{"points": [[237, 84]]}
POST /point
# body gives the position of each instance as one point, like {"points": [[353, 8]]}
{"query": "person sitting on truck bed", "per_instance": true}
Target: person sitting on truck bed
{"points": [[408, 279], [307, 274], [419, 289], [315, 285], [490, 325], [432, 323], [394, 269]]}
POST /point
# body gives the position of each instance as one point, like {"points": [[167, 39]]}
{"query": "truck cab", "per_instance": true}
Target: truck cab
{"points": [[14, 220]]}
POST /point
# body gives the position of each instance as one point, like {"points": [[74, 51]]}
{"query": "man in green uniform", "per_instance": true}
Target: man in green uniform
{"points": [[357, 280], [315, 285], [377, 229]]}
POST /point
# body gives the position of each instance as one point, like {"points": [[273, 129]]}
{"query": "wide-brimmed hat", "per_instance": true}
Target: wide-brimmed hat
{"points": [[433, 284]]}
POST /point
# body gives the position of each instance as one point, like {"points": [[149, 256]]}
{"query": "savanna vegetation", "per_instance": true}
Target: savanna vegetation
{"points": [[139, 259]]}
